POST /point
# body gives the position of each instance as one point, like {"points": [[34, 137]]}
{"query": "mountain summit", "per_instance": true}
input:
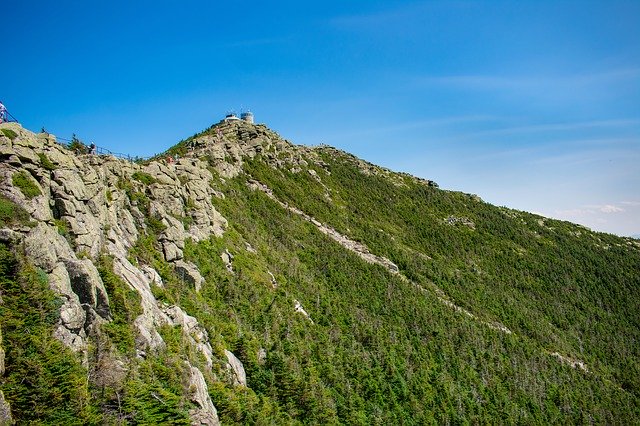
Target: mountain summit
{"points": [[241, 279]]}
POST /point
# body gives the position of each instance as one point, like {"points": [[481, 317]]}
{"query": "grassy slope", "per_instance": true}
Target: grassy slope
{"points": [[557, 291]]}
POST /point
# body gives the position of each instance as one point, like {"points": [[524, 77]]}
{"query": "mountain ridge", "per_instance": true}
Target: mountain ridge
{"points": [[271, 236]]}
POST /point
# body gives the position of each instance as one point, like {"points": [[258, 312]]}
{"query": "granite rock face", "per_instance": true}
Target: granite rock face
{"points": [[92, 206]]}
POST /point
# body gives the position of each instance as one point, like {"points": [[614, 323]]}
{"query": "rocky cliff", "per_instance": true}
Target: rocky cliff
{"points": [[86, 207]]}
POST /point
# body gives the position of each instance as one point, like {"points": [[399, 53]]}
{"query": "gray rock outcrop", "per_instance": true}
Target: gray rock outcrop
{"points": [[204, 413], [88, 286], [227, 259], [235, 367], [5, 411], [93, 205], [189, 273]]}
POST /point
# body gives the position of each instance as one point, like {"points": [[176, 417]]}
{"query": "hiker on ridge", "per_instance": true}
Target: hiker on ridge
{"points": [[3, 113]]}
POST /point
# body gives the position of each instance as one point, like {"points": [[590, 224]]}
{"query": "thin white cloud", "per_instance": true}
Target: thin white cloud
{"points": [[590, 210], [569, 213], [609, 208]]}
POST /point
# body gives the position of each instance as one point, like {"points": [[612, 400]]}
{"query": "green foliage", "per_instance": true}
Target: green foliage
{"points": [[63, 228], [154, 394], [144, 178], [44, 381], [136, 197], [77, 146], [187, 221], [155, 224], [12, 214], [109, 195], [45, 162], [125, 305], [381, 349], [190, 204], [9, 133], [24, 182]]}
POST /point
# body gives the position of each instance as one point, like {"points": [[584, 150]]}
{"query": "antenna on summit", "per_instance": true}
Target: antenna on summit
{"points": [[247, 116]]}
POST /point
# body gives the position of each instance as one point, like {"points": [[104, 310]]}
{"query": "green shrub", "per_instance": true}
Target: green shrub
{"points": [[25, 184], [137, 197], [9, 133], [155, 224], [144, 178], [44, 382], [63, 228], [155, 397], [11, 213], [45, 162], [125, 305], [190, 204], [187, 221], [77, 146]]}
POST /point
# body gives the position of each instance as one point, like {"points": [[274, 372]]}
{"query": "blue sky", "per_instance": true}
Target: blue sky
{"points": [[533, 105]]}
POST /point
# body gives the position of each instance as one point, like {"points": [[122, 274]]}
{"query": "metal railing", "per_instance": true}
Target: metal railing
{"points": [[98, 150]]}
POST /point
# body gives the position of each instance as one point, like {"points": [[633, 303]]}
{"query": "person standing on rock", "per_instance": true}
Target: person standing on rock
{"points": [[3, 113]]}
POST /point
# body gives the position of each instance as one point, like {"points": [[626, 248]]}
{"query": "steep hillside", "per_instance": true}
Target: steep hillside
{"points": [[241, 279]]}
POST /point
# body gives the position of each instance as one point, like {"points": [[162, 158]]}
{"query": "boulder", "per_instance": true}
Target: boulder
{"points": [[162, 173], [26, 155], [262, 356], [73, 341], [87, 284], [152, 275], [227, 257], [72, 316], [60, 282], [9, 236], [64, 207], [44, 245], [71, 183], [145, 324], [169, 197], [193, 330], [171, 251], [298, 308], [174, 231], [239, 377], [61, 158], [189, 273], [39, 208], [205, 413], [147, 336], [5, 411]]}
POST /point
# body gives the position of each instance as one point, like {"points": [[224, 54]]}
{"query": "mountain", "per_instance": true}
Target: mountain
{"points": [[242, 279]]}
